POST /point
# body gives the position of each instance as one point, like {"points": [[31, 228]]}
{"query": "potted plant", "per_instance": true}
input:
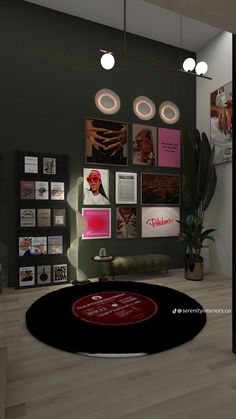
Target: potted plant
{"points": [[198, 187], [193, 235]]}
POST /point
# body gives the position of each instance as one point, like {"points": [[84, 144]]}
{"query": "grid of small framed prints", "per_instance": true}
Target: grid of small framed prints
{"points": [[159, 199], [42, 235], [157, 190]]}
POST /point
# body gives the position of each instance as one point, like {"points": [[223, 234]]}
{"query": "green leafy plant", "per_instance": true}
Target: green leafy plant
{"points": [[193, 235], [198, 186], [199, 174]]}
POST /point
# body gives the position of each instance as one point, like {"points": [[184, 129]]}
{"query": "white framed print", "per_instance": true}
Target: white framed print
{"points": [[26, 276], [59, 273], [31, 164], [126, 188], [160, 222]]}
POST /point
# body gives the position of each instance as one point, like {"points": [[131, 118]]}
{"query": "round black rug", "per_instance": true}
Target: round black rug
{"points": [[115, 318]]}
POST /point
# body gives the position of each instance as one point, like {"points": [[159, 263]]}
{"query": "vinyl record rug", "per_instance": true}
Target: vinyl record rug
{"points": [[115, 319]]}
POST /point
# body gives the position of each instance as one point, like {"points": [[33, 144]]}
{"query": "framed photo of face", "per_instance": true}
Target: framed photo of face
{"points": [[160, 189], [96, 187], [106, 142]]}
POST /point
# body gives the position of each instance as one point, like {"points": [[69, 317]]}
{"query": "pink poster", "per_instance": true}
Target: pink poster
{"points": [[99, 223], [169, 141]]}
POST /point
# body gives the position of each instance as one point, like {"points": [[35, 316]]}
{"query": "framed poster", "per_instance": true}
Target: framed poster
{"points": [[169, 144], [126, 223], [55, 245], [43, 274], [99, 223], [26, 276], [126, 188], [96, 187], [106, 142], [27, 189], [160, 221], [60, 273], [25, 246], [49, 165], [30, 164], [41, 190], [221, 123], [43, 217], [57, 190], [59, 217], [27, 217], [144, 145], [160, 189]]}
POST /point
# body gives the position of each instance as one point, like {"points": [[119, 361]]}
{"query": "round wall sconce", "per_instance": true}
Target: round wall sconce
{"points": [[169, 112], [107, 101], [144, 108], [107, 61]]}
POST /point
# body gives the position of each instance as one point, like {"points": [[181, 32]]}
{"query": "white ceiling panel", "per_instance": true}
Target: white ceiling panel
{"points": [[143, 17]]}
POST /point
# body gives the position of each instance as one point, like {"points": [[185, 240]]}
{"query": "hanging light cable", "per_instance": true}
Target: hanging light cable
{"points": [[189, 63]]}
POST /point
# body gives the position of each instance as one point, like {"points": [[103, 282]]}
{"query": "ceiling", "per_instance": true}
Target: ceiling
{"points": [[145, 18], [220, 13]]}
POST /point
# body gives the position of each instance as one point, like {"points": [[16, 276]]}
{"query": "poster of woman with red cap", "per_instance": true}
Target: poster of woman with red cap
{"points": [[96, 187]]}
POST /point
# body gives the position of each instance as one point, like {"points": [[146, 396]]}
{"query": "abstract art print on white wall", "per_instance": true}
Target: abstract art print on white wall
{"points": [[221, 123]]}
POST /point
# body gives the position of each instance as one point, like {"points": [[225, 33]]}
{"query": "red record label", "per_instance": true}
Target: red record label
{"points": [[114, 308]]}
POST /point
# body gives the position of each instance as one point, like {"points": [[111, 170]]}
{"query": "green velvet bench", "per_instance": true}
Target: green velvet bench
{"points": [[150, 263]]}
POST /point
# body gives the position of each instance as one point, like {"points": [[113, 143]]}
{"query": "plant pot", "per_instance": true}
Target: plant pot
{"points": [[193, 270]]}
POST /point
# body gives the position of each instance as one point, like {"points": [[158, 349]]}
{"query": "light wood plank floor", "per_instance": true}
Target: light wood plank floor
{"points": [[193, 381]]}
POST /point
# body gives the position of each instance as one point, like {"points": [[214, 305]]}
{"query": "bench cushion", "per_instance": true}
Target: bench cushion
{"points": [[155, 262]]}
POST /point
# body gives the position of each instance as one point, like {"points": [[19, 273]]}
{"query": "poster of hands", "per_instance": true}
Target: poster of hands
{"points": [[221, 123], [106, 142]]}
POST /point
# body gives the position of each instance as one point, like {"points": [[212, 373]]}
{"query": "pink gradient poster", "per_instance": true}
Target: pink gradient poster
{"points": [[169, 141], [99, 223]]}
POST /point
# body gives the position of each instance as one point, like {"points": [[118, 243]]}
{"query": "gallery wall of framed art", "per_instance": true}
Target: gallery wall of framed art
{"points": [[42, 221], [50, 110], [143, 197]]}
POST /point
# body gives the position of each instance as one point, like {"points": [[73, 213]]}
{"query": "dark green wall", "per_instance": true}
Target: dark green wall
{"points": [[49, 74]]}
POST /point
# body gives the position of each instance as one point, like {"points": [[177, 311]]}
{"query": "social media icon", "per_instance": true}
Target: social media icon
{"points": [[174, 311]]}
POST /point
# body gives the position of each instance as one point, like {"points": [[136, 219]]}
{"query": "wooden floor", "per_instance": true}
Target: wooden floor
{"points": [[193, 381]]}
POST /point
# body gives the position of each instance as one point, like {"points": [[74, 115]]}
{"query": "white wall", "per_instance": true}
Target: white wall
{"points": [[218, 55]]}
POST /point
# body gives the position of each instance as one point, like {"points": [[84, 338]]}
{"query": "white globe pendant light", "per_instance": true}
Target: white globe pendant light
{"points": [[201, 68], [189, 64], [107, 61]]}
